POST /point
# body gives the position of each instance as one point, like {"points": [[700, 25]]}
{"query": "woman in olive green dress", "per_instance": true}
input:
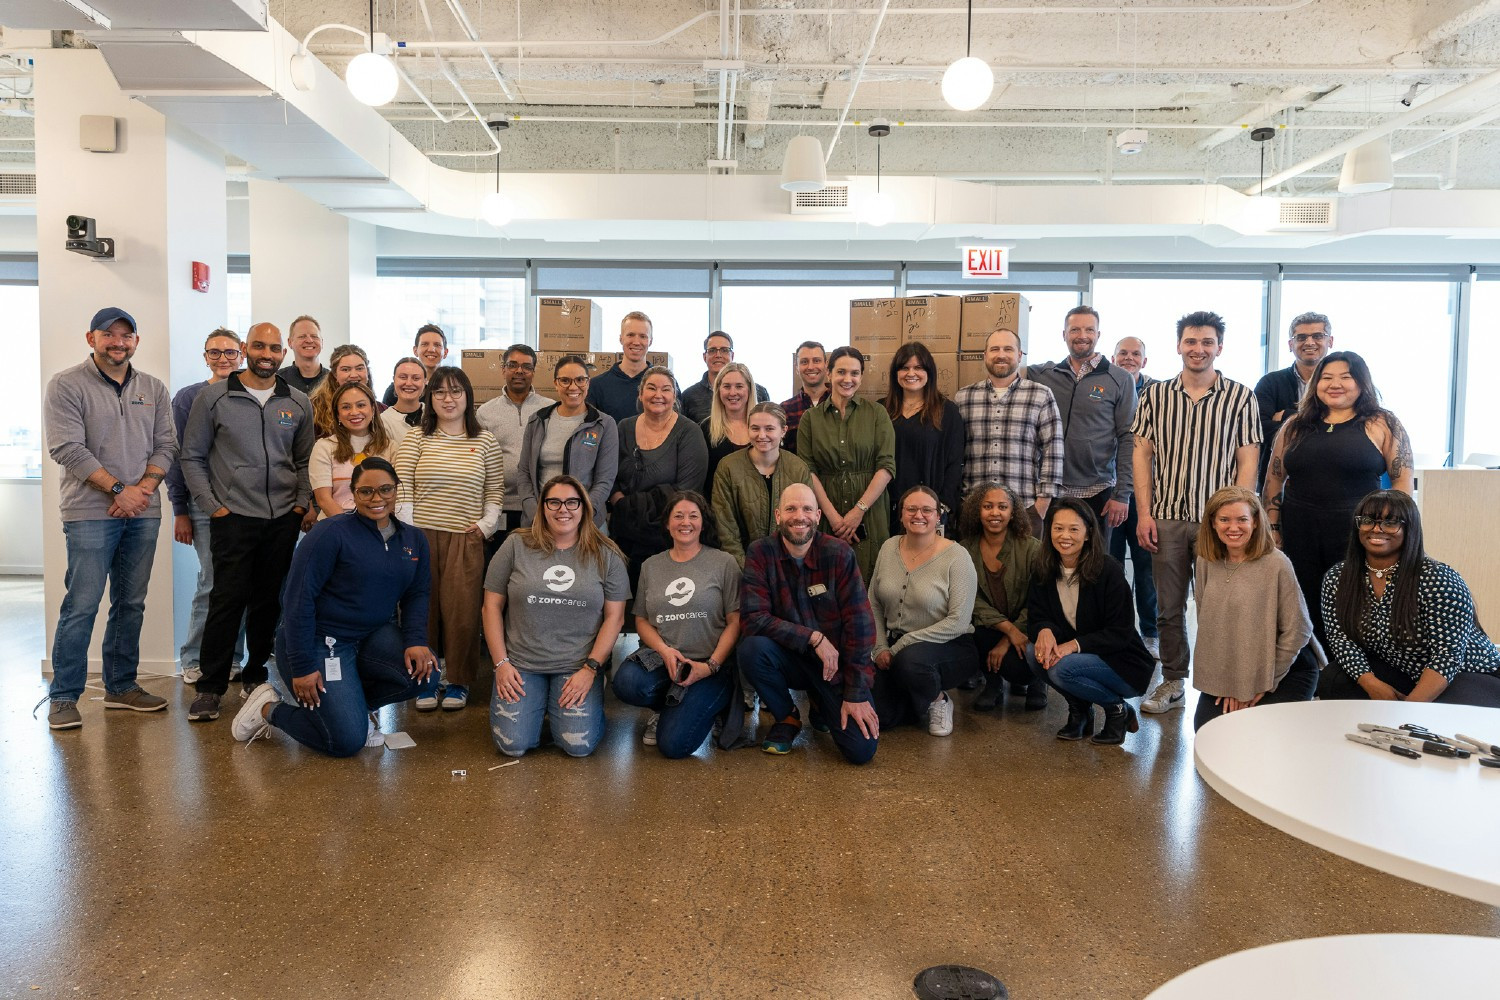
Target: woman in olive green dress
{"points": [[850, 445]]}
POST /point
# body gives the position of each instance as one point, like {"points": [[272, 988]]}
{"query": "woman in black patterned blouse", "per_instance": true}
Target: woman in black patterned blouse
{"points": [[1401, 626]]}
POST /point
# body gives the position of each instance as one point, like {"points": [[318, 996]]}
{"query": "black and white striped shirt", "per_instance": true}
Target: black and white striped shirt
{"points": [[1193, 443]]}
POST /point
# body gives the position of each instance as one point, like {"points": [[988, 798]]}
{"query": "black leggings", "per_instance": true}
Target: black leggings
{"points": [[1298, 685], [1014, 667]]}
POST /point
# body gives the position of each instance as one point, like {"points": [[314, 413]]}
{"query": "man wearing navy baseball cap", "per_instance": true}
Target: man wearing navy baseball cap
{"points": [[110, 428]]}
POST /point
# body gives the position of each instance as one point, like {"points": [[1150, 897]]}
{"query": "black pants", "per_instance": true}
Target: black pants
{"points": [[1298, 685], [917, 677], [1465, 689], [1314, 539], [1014, 667], [251, 557], [1096, 504]]}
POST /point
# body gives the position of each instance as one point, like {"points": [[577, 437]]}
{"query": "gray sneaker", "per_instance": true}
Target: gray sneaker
{"points": [[191, 675], [136, 699], [204, 708], [64, 715]]}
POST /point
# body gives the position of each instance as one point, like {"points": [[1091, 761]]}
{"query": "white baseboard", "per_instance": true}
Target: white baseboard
{"points": [[162, 668], [19, 569]]}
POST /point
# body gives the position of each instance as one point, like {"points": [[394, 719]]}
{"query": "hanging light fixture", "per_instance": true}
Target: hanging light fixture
{"points": [[880, 208], [802, 168], [1262, 213], [371, 76], [1368, 168], [496, 209], [968, 82]]}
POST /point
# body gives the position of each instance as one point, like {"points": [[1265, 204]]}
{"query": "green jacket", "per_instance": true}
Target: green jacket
{"points": [[742, 506], [1019, 558]]}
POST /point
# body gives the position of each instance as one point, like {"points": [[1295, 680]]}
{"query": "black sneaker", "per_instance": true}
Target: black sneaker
{"points": [[781, 737], [204, 708]]}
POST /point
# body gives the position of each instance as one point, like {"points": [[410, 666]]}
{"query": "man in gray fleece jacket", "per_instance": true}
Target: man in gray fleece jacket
{"points": [[110, 428], [244, 459]]}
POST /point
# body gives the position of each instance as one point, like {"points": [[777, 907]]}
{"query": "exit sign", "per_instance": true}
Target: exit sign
{"points": [[987, 262]]}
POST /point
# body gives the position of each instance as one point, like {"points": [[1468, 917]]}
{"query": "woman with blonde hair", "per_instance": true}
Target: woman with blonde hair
{"points": [[1253, 628], [748, 482], [554, 601], [727, 426], [358, 434], [348, 363]]}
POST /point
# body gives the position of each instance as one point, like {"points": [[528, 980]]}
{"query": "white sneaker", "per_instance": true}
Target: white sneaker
{"points": [[649, 736], [191, 675], [373, 736], [1167, 696], [940, 717], [248, 722], [1153, 646]]}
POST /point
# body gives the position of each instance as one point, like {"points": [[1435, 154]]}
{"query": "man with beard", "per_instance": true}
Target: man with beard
{"points": [[805, 623], [506, 417], [110, 428], [244, 458], [812, 374]]}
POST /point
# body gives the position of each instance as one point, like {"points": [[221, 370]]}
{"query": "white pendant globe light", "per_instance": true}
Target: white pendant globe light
{"points": [[497, 209], [968, 82], [878, 209], [372, 79]]}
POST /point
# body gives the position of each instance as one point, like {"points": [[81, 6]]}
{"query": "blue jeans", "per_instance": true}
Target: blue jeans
{"points": [[684, 726], [188, 655], [1142, 582], [774, 671], [119, 550], [1089, 678], [372, 674], [517, 726]]}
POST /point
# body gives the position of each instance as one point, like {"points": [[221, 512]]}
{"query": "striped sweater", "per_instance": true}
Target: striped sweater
{"points": [[450, 482]]}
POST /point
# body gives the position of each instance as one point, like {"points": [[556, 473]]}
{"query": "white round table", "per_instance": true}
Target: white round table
{"points": [[1434, 821], [1350, 967]]}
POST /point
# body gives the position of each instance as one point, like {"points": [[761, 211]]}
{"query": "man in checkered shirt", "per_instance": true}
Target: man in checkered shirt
{"points": [[1013, 433]]}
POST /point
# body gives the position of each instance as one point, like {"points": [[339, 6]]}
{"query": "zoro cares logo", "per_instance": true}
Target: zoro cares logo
{"points": [[680, 591], [558, 579]]}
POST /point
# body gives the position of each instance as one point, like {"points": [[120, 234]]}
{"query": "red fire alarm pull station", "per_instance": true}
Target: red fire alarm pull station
{"points": [[200, 276]]}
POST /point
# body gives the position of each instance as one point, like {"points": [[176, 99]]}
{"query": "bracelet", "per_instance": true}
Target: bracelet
{"points": [[860, 503], [502, 661], [713, 665]]}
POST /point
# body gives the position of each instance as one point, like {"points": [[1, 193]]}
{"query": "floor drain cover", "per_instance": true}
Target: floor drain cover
{"points": [[957, 982]]}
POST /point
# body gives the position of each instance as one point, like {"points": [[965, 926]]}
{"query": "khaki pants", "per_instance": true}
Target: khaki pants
{"points": [[453, 624], [1172, 565]]}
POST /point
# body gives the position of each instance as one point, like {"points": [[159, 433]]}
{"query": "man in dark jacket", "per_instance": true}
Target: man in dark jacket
{"points": [[698, 398], [1310, 338]]}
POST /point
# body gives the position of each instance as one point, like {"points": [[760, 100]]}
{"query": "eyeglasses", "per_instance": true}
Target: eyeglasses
{"points": [[557, 503], [447, 394], [369, 492], [914, 511], [563, 382], [1303, 338], [215, 353], [718, 350], [1386, 524], [517, 366]]}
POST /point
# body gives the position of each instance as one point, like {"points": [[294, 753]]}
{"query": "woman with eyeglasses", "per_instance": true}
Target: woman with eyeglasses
{"points": [[1326, 458], [359, 435], [749, 482], [571, 437], [850, 446], [997, 535], [662, 453], [1253, 628], [687, 613], [348, 363], [1082, 624], [922, 596], [410, 382], [222, 352], [554, 601], [353, 634], [452, 486], [1401, 625], [727, 426], [929, 431]]}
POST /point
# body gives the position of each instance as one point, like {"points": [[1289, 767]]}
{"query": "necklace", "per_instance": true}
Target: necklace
{"points": [[1381, 574]]}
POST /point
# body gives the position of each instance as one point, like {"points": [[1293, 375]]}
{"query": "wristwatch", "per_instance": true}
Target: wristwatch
{"points": [[862, 506], [594, 665], [117, 488]]}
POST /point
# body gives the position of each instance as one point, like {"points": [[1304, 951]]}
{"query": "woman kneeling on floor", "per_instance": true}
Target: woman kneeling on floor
{"points": [[554, 601], [1253, 627], [687, 613], [1083, 626], [342, 650]]}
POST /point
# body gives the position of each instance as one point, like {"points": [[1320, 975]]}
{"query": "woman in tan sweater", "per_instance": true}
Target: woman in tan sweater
{"points": [[1253, 627]]}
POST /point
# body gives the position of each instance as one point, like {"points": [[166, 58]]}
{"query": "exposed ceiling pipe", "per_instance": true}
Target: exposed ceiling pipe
{"points": [[456, 8], [1262, 112], [1433, 106], [1449, 133], [858, 75], [494, 141], [471, 43]]}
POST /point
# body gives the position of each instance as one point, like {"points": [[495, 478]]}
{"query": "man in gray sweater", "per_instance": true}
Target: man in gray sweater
{"points": [[244, 458], [110, 428]]}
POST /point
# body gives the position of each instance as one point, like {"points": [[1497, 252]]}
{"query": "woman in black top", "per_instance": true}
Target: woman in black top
{"points": [[1327, 457], [929, 433]]}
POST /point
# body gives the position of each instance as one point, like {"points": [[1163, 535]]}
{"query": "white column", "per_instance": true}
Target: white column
{"points": [[161, 196]]}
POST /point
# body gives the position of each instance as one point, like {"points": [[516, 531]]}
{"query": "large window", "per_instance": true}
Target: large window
{"points": [[1404, 331], [1481, 443], [678, 326], [21, 425], [1044, 325], [473, 311], [237, 302], [1149, 307]]}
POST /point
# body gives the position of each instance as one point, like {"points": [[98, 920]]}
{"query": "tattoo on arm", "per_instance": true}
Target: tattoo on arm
{"points": [[1401, 461], [1277, 468]]}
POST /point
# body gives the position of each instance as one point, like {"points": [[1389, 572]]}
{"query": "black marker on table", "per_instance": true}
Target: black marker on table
{"points": [[1479, 745], [1424, 745], [1396, 749]]}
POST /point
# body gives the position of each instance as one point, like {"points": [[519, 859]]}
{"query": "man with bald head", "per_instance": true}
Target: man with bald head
{"points": [[1130, 355], [244, 459], [806, 624]]}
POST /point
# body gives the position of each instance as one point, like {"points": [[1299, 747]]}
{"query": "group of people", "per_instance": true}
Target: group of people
{"points": [[878, 555]]}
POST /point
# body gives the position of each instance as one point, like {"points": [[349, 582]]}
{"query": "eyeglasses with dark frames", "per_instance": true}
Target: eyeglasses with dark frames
{"points": [[1386, 524], [565, 382], [559, 503], [215, 353], [370, 492]]}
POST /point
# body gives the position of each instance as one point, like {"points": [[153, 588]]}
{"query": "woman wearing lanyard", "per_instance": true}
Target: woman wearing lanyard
{"points": [[749, 482], [410, 382], [359, 434]]}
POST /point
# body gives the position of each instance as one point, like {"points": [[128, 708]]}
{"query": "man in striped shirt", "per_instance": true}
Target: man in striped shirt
{"points": [[1194, 434]]}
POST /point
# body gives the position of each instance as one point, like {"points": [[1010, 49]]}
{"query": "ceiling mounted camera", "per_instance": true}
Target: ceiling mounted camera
{"points": [[81, 239], [879, 128], [1131, 141]]}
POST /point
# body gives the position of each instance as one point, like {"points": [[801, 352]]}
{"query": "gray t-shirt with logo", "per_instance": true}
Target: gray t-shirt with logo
{"points": [[688, 602], [554, 604]]}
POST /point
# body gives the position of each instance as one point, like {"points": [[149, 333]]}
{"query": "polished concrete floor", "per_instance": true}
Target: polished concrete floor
{"points": [[145, 857]]}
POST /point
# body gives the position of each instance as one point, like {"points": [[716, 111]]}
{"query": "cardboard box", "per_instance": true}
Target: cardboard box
{"points": [[598, 361], [876, 383], [947, 380], [932, 320], [985, 311], [484, 367], [875, 324], [570, 325], [971, 368]]}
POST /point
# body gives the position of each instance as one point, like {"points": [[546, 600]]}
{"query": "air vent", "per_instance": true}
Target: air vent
{"points": [[1305, 215], [832, 200], [17, 184]]}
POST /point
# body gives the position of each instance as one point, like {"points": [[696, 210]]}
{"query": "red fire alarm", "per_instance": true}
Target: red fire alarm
{"points": [[200, 276]]}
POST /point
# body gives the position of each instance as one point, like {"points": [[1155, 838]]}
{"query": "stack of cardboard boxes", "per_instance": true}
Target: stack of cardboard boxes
{"points": [[954, 328]]}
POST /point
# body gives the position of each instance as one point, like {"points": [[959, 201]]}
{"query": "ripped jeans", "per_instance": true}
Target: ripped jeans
{"points": [[517, 726]]}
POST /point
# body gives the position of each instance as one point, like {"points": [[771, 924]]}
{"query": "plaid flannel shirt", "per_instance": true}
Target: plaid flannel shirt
{"points": [[1015, 440]]}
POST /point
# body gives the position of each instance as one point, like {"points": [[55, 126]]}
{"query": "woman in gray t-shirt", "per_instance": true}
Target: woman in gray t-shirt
{"points": [[687, 611], [554, 602]]}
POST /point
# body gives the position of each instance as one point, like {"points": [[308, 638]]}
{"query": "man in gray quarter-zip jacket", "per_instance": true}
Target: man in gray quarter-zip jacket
{"points": [[244, 459], [110, 428]]}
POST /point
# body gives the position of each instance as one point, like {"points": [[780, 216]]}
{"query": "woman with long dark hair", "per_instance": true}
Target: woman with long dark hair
{"points": [[357, 434], [929, 432], [1083, 625], [997, 534], [1326, 458], [1401, 625]]}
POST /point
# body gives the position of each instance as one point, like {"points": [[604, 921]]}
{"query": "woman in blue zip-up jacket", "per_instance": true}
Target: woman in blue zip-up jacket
{"points": [[353, 633]]}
